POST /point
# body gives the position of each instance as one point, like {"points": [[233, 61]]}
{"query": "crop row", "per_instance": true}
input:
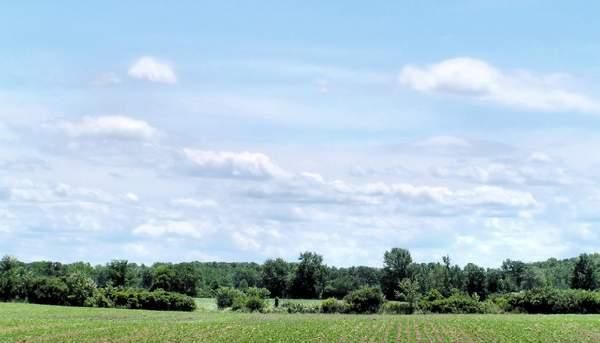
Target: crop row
{"points": [[35, 323]]}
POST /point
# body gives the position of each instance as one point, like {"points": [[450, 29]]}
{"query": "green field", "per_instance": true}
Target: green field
{"points": [[37, 323]]}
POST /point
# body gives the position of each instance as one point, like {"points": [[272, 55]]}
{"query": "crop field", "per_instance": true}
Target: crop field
{"points": [[38, 323]]}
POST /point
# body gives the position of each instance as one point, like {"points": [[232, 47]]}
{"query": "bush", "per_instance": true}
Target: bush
{"points": [[227, 297], [397, 307], [456, 303], [549, 300], [254, 303], [293, 307], [261, 293], [99, 299], [80, 288], [489, 306], [151, 300], [332, 305], [364, 300], [49, 291]]}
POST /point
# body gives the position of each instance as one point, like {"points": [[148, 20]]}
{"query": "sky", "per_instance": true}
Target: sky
{"points": [[241, 131]]}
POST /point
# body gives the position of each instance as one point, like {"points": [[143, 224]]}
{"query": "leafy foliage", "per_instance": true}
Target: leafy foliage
{"points": [[364, 300]]}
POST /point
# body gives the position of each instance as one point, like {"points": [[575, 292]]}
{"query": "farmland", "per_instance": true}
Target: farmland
{"points": [[38, 323]]}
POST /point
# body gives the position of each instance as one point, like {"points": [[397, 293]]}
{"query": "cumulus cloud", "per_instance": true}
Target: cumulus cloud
{"points": [[478, 79], [416, 199], [150, 69], [231, 164], [155, 229], [116, 127]]}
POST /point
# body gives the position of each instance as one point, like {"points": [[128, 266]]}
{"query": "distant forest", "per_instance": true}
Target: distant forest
{"points": [[310, 278]]}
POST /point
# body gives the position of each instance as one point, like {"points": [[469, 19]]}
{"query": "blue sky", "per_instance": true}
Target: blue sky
{"points": [[241, 131]]}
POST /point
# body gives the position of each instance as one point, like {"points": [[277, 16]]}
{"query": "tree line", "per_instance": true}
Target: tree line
{"points": [[309, 277]]}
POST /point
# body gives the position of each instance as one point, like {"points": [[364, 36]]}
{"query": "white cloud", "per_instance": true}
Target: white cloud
{"points": [[244, 241], [195, 203], [476, 78], [118, 127], [540, 157], [231, 164], [132, 197], [422, 200], [155, 229], [150, 69], [517, 173]]}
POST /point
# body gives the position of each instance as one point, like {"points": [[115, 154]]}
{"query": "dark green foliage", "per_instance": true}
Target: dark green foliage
{"points": [[364, 300], [276, 276], [475, 280], [309, 279], [261, 293], [226, 296], [180, 278], [455, 303], [80, 288], [250, 299], [119, 273], [584, 276], [333, 305], [14, 279], [151, 300], [552, 300], [254, 303], [100, 298], [396, 264], [397, 307], [409, 292], [49, 291]]}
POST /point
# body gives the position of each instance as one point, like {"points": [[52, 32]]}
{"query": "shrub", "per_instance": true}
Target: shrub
{"points": [[80, 288], [364, 300], [254, 303], [227, 296], [261, 293], [456, 303], [489, 306], [549, 300], [99, 299], [332, 305], [293, 307], [397, 307], [151, 300], [49, 291]]}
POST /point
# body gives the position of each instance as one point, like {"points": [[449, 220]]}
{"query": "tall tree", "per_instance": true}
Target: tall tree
{"points": [[584, 276], [475, 280], [309, 279], [276, 276], [118, 271], [396, 268]]}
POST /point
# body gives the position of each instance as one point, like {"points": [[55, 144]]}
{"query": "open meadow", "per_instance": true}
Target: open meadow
{"points": [[39, 323]]}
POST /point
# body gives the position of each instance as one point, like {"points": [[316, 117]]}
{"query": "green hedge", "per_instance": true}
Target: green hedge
{"points": [[550, 300], [151, 300]]}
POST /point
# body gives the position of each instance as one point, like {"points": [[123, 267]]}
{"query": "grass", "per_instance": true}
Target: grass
{"points": [[38, 323]]}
